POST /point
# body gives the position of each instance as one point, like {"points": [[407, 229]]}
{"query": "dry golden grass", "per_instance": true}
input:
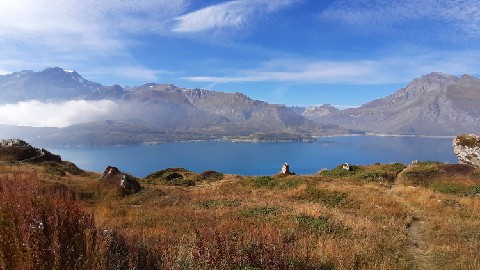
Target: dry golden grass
{"points": [[325, 221]]}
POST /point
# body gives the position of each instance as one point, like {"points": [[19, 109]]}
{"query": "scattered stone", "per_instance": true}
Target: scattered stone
{"points": [[286, 170], [467, 149], [113, 176]]}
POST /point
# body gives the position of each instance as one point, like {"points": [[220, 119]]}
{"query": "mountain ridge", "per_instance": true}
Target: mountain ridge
{"points": [[188, 114], [435, 104]]}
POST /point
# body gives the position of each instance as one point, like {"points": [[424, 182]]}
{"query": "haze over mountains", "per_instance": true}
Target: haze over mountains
{"points": [[435, 104]]}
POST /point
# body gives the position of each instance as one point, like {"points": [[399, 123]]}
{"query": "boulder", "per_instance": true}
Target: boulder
{"points": [[467, 149], [113, 176], [286, 170]]}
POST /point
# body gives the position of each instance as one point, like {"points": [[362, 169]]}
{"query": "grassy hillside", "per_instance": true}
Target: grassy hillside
{"points": [[424, 216]]}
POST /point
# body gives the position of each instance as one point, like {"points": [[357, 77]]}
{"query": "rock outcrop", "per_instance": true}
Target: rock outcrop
{"points": [[317, 111], [113, 176], [18, 150], [467, 149]]}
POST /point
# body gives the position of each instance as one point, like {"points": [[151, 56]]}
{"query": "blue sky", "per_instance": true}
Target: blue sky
{"points": [[294, 52]]}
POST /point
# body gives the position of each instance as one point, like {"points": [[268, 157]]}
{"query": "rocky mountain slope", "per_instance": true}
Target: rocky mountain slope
{"points": [[434, 104], [52, 84], [154, 112]]}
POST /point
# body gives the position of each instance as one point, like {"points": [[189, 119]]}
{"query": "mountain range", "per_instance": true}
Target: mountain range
{"points": [[434, 104]]}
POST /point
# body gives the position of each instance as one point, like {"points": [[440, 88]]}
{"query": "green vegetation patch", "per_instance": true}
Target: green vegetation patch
{"points": [[210, 176], [457, 179], [372, 173], [61, 169], [219, 203], [328, 198], [260, 211], [263, 181], [380, 172], [290, 183], [172, 176], [338, 171], [322, 224], [450, 188], [54, 171], [423, 173], [274, 182]]}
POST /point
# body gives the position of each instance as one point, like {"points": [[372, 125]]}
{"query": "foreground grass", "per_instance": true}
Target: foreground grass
{"points": [[374, 217]]}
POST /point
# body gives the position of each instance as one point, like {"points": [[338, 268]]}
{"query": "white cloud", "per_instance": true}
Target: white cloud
{"points": [[399, 68], [78, 34], [371, 15], [136, 73], [61, 114], [91, 23], [229, 14]]}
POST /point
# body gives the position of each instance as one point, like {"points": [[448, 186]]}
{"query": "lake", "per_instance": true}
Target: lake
{"points": [[261, 158]]}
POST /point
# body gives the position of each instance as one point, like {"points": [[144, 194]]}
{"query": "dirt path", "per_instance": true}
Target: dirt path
{"points": [[415, 243]]}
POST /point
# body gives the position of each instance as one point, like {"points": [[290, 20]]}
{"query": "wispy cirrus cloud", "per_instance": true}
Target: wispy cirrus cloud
{"points": [[82, 35], [89, 24], [232, 14], [136, 73], [396, 68], [372, 15]]}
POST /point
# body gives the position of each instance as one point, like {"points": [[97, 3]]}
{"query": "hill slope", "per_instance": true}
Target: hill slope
{"points": [[382, 216]]}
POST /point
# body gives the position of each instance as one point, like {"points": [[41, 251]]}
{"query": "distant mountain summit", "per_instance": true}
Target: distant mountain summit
{"points": [[52, 84], [434, 104]]}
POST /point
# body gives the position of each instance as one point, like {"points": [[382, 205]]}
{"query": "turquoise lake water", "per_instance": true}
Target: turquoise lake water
{"points": [[261, 158]]}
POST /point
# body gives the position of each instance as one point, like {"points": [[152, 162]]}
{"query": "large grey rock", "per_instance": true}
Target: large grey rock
{"points": [[113, 176], [467, 149]]}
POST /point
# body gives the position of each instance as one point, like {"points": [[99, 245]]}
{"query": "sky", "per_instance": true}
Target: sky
{"points": [[293, 52]]}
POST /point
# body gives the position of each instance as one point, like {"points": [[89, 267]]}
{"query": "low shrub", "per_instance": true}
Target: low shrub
{"points": [[210, 176], [449, 188], [54, 171], [290, 183], [260, 211], [172, 176], [47, 230], [468, 140], [50, 230], [219, 203], [340, 172], [328, 198], [264, 181], [322, 224], [261, 248], [423, 175]]}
